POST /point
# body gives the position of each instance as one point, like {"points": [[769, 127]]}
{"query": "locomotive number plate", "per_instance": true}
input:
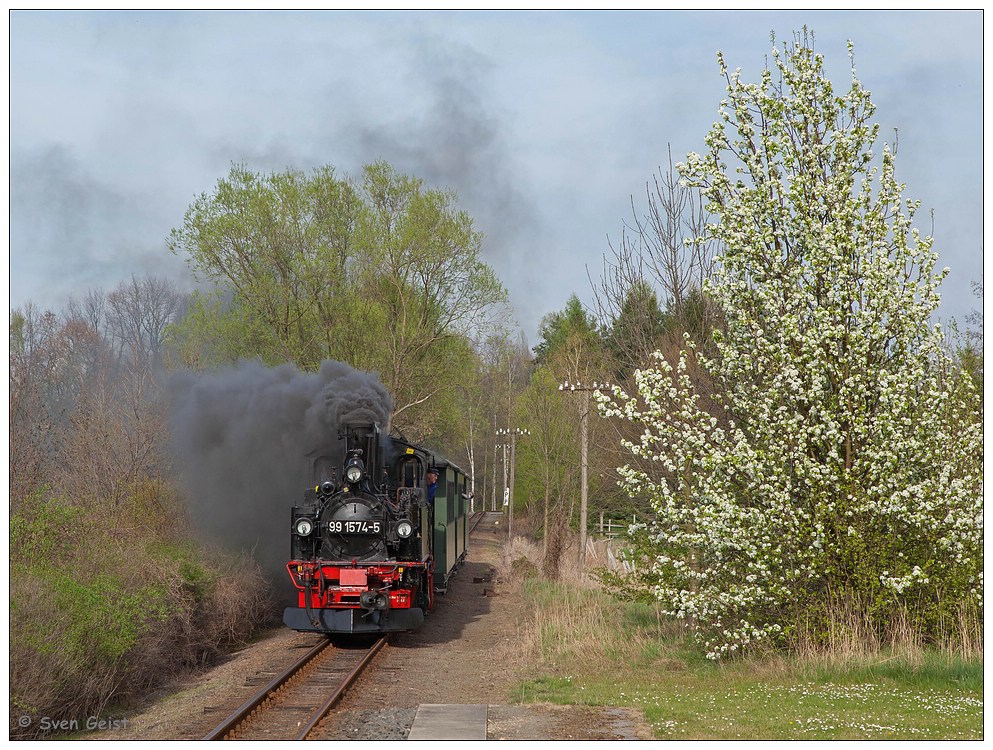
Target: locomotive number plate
{"points": [[355, 527]]}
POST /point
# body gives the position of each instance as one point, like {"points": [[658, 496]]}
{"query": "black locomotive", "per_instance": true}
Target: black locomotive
{"points": [[369, 550]]}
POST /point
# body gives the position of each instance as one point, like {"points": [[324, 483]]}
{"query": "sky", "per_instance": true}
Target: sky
{"points": [[546, 124]]}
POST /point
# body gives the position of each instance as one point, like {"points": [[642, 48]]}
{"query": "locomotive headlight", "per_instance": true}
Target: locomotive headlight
{"points": [[304, 527], [354, 472], [404, 529]]}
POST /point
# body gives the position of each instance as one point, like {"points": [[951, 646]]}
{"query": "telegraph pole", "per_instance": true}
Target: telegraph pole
{"points": [[513, 460], [496, 448]]}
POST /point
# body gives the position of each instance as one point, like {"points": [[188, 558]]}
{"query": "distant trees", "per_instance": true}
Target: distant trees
{"points": [[83, 407], [637, 329], [105, 579], [571, 348], [836, 470], [503, 369], [970, 353], [572, 336], [382, 273], [548, 461], [137, 317], [651, 290]]}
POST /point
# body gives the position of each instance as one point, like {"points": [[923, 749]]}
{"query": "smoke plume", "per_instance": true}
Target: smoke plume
{"points": [[244, 440]]}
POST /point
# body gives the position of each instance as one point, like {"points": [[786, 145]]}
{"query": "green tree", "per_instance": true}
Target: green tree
{"points": [[570, 329], [547, 458], [504, 367], [284, 245], [383, 274], [842, 469], [637, 330], [428, 288], [572, 349]]}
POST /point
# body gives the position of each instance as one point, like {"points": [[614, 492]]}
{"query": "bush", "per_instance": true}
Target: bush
{"points": [[102, 609]]}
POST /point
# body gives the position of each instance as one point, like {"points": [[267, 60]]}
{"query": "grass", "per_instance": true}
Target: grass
{"points": [[593, 650]]}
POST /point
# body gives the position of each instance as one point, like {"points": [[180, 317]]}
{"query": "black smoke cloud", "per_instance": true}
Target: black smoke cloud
{"points": [[456, 138], [242, 438]]}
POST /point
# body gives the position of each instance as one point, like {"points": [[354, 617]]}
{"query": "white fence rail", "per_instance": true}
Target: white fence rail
{"points": [[611, 528]]}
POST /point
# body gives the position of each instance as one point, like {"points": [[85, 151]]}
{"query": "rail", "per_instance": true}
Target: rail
{"points": [[339, 691], [475, 519], [264, 698]]}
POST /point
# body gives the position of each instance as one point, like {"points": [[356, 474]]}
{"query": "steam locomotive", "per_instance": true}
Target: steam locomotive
{"points": [[369, 550]]}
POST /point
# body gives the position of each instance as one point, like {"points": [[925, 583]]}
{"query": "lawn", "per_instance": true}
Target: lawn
{"points": [[593, 650]]}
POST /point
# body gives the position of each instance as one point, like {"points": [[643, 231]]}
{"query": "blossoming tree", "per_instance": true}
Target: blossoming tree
{"points": [[839, 468]]}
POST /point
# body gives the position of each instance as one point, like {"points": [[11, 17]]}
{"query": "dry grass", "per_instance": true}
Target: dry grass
{"points": [[852, 638], [575, 618], [522, 548], [574, 621]]}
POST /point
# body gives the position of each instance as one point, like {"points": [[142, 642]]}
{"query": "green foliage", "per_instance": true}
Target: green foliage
{"points": [[16, 333], [60, 557], [637, 330], [381, 273], [197, 579], [102, 617], [572, 327], [39, 526], [969, 360], [217, 330], [931, 670], [546, 462]]}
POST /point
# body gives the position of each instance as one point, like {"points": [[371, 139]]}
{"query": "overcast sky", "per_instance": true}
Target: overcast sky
{"points": [[545, 124]]}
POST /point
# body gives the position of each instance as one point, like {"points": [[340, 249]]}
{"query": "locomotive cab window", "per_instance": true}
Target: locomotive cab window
{"points": [[409, 473]]}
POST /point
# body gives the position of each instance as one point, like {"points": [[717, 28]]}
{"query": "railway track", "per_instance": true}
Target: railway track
{"points": [[475, 519], [295, 701]]}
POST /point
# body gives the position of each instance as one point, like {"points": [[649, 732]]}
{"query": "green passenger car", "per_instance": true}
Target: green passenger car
{"points": [[450, 523]]}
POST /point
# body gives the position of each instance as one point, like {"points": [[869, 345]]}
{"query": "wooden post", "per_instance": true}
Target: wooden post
{"points": [[513, 455], [585, 492]]}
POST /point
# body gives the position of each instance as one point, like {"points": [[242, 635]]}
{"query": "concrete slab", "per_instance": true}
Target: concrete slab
{"points": [[449, 721]]}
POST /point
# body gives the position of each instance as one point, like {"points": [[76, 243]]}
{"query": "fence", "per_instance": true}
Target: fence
{"points": [[612, 528]]}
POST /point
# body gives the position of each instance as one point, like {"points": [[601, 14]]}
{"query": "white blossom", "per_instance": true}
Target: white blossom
{"points": [[847, 457]]}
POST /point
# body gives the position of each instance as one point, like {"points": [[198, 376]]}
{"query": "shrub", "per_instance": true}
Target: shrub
{"points": [[102, 609]]}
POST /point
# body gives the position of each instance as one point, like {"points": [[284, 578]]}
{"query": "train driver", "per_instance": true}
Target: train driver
{"points": [[432, 477]]}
